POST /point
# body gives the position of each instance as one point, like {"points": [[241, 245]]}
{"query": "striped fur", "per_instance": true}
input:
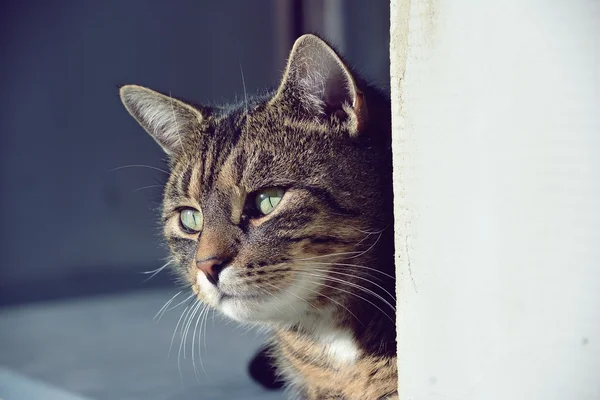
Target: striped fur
{"points": [[319, 269]]}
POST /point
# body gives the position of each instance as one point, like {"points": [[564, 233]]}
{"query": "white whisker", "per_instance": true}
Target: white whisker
{"points": [[146, 187], [367, 250], [357, 277], [188, 323], [351, 265], [334, 301], [202, 312], [164, 307], [287, 301], [139, 166], [204, 334], [244, 85], [180, 303], [176, 326], [353, 294], [156, 271], [357, 286], [184, 335], [327, 255], [372, 232]]}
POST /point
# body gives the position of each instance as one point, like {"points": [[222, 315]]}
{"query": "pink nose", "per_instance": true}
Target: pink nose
{"points": [[211, 267]]}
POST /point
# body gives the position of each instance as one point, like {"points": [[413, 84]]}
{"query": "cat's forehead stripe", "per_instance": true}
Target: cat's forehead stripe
{"points": [[171, 188], [238, 163], [217, 153], [225, 141], [207, 167], [198, 170], [186, 178], [195, 190], [201, 148], [174, 188]]}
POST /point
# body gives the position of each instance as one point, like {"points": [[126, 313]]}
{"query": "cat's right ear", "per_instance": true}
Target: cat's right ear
{"points": [[317, 84], [166, 119]]}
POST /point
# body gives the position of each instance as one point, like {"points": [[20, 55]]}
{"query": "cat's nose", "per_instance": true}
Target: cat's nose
{"points": [[211, 267]]}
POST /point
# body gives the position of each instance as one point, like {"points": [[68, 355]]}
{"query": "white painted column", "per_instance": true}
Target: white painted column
{"points": [[497, 190]]}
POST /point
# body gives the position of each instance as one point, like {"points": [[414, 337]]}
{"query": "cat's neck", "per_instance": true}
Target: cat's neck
{"points": [[347, 333]]}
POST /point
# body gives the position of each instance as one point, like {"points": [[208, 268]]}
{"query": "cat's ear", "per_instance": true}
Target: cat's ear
{"points": [[163, 117], [318, 83]]}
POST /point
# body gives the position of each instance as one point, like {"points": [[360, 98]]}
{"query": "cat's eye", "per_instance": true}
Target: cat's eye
{"points": [[191, 220], [266, 200]]}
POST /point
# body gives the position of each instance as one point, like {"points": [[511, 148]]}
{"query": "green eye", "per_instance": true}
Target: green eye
{"points": [[191, 220], [267, 200]]}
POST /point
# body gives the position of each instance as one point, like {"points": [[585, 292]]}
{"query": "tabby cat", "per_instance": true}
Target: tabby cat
{"points": [[278, 213]]}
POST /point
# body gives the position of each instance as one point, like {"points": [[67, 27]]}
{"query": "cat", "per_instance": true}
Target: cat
{"points": [[278, 213]]}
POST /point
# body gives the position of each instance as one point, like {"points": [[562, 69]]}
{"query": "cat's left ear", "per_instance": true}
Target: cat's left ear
{"points": [[166, 119], [319, 85]]}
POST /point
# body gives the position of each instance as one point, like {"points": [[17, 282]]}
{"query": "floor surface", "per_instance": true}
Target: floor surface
{"points": [[109, 348]]}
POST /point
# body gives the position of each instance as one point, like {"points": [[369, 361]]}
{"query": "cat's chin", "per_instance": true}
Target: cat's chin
{"points": [[271, 310]]}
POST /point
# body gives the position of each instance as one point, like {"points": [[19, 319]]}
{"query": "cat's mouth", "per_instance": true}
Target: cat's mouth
{"points": [[227, 296]]}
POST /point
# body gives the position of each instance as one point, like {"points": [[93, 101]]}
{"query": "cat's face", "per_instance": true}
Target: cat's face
{"points": [[265, 200]]}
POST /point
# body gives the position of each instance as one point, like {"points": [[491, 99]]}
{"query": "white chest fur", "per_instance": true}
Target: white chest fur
{"points": [[340, 346]]}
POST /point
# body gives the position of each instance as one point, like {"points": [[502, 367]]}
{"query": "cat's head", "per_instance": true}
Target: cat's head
{"points": [[273, 206]]}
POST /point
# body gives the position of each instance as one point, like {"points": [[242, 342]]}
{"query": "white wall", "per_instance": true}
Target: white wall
{"points": [[497, 180]]}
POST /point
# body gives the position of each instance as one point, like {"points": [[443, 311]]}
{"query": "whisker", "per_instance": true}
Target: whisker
{"points": [[373, 232], [176, 326], [164, 307], [244, 85], [194, 345], [184, 335], [269, 293], [355, 285], [367, 250], [357, 277], [139, 166], [204, 335], [354, 294], [183, 324], [333, 300], [327, 255], [180, 303], [355, 253], [287, 301], [350, 265], [156, 271], [202, 312], [190, 319], [146, 187], [368, 235]]}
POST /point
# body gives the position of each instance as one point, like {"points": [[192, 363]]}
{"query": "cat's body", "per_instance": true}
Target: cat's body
{"points": [[278, 213]]}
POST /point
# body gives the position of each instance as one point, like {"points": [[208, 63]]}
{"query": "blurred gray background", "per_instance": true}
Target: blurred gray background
{"points": [[78, 222]]}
